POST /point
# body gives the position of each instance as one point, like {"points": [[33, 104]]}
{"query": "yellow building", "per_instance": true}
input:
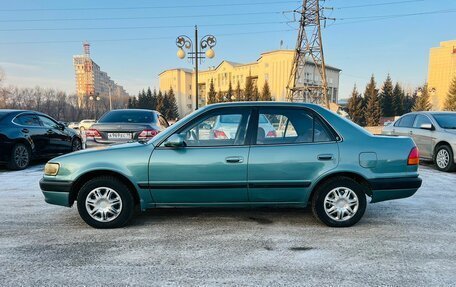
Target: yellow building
{"points": [[273, 67], [442, 69]]}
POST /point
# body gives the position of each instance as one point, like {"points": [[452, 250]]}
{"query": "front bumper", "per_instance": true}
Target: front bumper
{"points": [[56, 192], [393, 188]]}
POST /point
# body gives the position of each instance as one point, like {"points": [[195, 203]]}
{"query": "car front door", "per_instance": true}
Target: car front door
{"points": [[59, 140], [285, 161], [210, 169], [423, 137]]}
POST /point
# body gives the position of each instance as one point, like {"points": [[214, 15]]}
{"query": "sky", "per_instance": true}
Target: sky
{"points": [[133, 41]]}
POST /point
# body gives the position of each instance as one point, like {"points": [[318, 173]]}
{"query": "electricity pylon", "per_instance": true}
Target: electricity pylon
{"points": [[307, 81]]}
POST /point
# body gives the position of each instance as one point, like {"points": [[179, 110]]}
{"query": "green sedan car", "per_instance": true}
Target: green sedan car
{"points": [[222, 156]]}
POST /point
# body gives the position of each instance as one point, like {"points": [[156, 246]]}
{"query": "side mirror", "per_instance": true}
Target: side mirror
{"points": [[427, 126], [176, 140], [61, 126]]}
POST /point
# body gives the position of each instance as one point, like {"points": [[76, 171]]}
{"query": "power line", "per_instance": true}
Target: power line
{"points": [[139, 18], [150, 7], [139, 27], [141, 39], [378, 4]]}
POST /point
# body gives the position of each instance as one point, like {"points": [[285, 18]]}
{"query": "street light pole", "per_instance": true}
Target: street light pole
{"points": [[196, 53]]}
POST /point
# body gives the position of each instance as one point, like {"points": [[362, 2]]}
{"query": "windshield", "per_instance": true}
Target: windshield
{"points": [[446, 121], [128, 116]]}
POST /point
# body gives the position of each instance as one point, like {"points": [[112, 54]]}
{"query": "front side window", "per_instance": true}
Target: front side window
{"points": [[288, 126], [48, 123], [27, 120], [221, 128], [420, 119]]}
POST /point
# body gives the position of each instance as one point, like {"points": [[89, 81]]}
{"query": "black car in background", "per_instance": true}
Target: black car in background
{"points": [[26, 135], [120, 126]]}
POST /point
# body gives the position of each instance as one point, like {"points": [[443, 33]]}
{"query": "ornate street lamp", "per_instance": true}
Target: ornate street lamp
{"points": [[95, 99], [196, 52]]}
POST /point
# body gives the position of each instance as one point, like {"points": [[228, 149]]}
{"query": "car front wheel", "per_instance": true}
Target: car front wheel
{"points": [[105, 202], [444, 159], [340, 202]]}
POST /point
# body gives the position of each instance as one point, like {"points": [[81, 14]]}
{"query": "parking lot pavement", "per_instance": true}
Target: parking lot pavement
{"points": [[408, 242]]}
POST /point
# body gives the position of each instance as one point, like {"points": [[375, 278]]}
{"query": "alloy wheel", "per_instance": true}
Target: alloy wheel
{"points": [[442, 158], [21, 156], [76, 145], [103, 204], [341, 204]]}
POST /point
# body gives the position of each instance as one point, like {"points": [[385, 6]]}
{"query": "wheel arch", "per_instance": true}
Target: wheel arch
{"points": [[82, 179], [439, 144], [353, 175]]}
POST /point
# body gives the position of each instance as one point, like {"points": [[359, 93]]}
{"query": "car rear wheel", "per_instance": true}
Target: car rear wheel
{"points": [[340, 202], [20, 157], [76, 144], [105, 202], [443, 158]]}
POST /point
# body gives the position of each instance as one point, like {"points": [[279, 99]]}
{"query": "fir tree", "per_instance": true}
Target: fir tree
{"points": [[211, 96], [238, 92], [134, 103], [409, 102], [129, 105], [249, 89], [172, 109], [150, 100], [220, 97], [422, 102], [450, 102], [373, 111], [356, 107], [142, 100], [160, 102], [398, 100], [266, 92], [229, 94], [386, 98], [154, 100], [256, 93]]}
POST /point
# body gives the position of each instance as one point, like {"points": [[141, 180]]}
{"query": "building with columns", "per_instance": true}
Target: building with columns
{"points": [[273, 67]]}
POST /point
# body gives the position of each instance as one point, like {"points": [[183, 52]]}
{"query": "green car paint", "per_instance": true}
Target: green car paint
{"points": [[282, 174]]}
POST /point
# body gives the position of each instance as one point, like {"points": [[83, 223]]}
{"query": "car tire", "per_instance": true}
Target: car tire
{"points": [[76, 144], [96, 205], [444, 159], [20, 157], [339, 202]]}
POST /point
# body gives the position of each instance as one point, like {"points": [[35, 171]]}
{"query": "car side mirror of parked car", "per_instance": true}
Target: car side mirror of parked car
{"points": [[176, 140], [427, 126]]}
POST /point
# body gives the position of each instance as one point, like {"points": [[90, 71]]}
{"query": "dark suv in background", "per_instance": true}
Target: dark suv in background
{"points": [[120, 126], [25, 135]]}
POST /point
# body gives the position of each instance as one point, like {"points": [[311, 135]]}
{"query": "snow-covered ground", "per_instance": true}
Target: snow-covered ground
{"points": [[408, 242]]}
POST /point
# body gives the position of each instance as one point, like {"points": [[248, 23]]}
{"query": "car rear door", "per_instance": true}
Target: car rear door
{"points": [[30, 128], [404, 126], [208, 170], [284, 163]]}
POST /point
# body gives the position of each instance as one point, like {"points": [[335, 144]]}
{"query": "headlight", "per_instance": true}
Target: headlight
{"points": [[51, 168]]}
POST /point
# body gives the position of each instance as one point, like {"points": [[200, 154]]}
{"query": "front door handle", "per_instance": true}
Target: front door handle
{"points": [[325, 157], [234, 159], [25, 131]]}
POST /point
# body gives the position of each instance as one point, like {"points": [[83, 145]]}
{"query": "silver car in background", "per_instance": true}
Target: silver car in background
{"points": [[433, 132]]}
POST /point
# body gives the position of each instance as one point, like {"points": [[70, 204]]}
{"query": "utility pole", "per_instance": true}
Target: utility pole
{"points": [[309, 59]]}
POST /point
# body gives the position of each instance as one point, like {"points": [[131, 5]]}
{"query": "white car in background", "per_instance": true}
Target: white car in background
{"points": [[86, 124]]}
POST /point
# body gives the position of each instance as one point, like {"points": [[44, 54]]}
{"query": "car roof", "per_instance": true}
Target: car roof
{"points": [[134, 110], [263, 104], [430, 113]]}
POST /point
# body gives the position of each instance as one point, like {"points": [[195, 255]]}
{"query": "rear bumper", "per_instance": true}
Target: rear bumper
{"points": [[56, 192], [394, 188]]}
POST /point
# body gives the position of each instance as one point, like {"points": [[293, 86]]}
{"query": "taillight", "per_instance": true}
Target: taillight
{"points": [[147, 134], [93, 133], [271, 134], [219, 134], [414, 157]]}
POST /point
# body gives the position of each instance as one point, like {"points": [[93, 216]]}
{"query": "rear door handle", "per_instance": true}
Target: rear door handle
{"points": [[234, 159], [325, 157]]}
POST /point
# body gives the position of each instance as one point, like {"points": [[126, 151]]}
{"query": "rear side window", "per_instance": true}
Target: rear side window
{"points": [[128, 116], [406, 121], [287, 126], [27, 120]]}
